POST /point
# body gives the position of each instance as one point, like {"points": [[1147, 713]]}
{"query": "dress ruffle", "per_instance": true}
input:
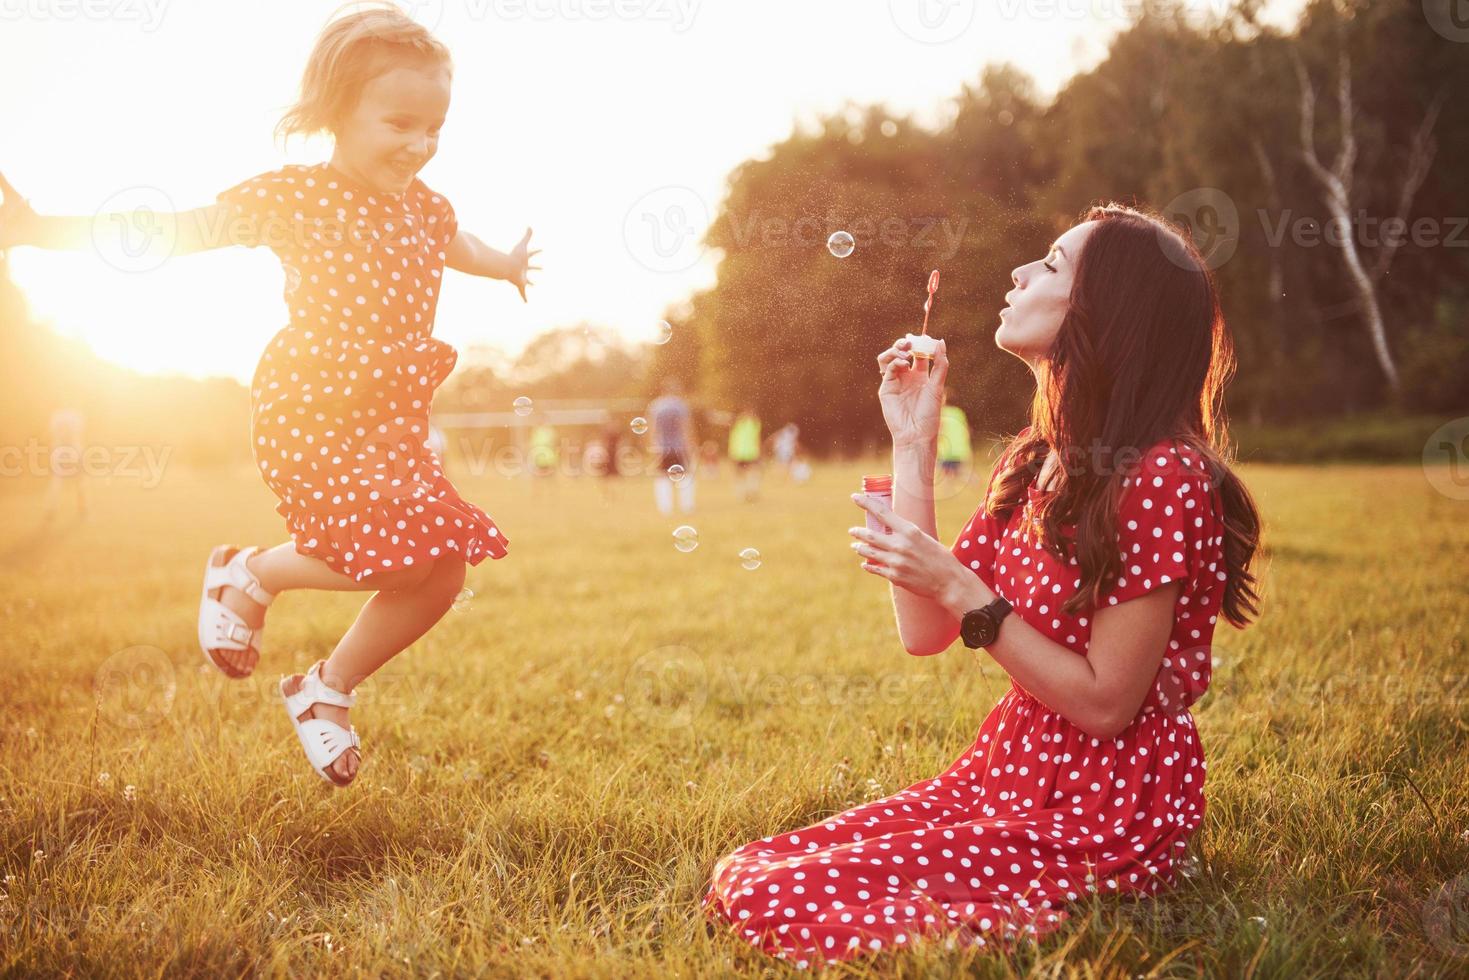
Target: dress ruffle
{"points": [[425, 523]]}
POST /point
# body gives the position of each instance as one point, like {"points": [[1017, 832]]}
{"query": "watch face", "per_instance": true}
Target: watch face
{"points": [[979, 630]]}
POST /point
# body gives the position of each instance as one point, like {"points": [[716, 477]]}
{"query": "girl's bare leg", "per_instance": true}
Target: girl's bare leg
{"points": [[281, 568], [388, 623]]}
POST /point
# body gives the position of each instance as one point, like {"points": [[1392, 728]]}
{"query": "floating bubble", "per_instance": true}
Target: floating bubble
{"points": [[523, 406], [640, 425], [675, 472], [685, 538], [665, 332], [750, 559], [462, 600], [840, 244]]}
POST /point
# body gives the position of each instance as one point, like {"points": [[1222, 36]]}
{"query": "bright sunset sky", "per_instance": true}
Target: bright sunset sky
{"points": [[566, 116]]}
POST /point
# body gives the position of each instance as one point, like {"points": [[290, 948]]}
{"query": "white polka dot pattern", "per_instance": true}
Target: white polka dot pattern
{"points": [[1035, 814], [341, 397]]}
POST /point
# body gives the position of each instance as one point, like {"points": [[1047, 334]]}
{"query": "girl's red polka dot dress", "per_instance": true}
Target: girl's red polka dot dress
{"points": [[341, 396], [1036, 813]]}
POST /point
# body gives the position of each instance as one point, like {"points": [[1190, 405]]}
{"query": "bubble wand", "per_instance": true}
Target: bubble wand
{"points": [[924, 346]]}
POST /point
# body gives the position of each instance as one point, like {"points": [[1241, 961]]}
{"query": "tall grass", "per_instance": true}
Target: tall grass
{"points": [[550, 775]]}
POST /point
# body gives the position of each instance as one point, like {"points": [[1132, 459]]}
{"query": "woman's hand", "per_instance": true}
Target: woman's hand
{"points": [[912, 396], [520, 267], [17, 220], [907, 557]]}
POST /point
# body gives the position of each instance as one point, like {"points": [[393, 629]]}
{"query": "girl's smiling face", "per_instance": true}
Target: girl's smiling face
{"points": [[394, 128]]}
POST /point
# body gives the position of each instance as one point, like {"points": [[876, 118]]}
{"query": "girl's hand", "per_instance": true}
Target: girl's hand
{"points": [[912, 396], [17, 220], [908, 557], [520, 266]]}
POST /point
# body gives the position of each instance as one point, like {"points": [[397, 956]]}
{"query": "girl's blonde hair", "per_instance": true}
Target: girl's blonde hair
{"points": [[349, 53]]}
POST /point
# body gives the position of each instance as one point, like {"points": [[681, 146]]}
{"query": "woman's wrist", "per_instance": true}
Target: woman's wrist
{"points": [[915, 451], [964, 592]]}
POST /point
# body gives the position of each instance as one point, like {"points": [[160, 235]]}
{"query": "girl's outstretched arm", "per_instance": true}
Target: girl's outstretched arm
{"points": [[172, 233], [466, 253]]}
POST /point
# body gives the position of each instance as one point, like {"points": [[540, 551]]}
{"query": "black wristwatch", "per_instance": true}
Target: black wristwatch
{"points": [[979, 627]]}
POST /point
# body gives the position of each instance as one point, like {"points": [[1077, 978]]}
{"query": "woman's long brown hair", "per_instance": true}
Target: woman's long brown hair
{"points": [[1143, 355]]}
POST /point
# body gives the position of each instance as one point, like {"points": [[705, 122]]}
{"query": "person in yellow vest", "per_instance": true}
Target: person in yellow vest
{"points": [[955, 451], [543, 453], [744, 452]]}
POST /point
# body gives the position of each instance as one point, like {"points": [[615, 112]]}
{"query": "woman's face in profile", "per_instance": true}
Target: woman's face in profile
{"points": [[1038, 303]]}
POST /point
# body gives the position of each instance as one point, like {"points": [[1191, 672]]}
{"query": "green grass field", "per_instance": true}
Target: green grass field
{"points": [[551, 773]]}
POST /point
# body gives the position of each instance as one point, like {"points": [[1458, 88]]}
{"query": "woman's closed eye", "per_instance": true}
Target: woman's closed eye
{"points": [[1045, 262]]}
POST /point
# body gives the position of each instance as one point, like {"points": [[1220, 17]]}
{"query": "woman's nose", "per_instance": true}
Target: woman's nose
{"points": [[1015, 274]]}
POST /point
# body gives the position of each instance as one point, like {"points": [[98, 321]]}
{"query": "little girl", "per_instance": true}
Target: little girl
{"points": [[340, 399]]}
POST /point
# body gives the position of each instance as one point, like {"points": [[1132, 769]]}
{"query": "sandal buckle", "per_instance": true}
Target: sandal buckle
{"points": [[233, 634]]}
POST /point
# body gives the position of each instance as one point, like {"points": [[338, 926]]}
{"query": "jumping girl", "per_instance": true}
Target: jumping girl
{"points": [[340, 399], [1113, 535]]}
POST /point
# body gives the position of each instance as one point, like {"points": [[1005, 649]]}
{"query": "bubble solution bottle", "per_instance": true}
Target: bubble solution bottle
{"points": [[879, 488]]}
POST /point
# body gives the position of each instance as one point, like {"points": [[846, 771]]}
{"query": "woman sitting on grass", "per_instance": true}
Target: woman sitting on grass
{"points": [[1116, 533]]}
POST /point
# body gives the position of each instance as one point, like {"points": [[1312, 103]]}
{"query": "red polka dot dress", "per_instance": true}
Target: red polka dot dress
{"points": [[341, 396], [1035, 813]]}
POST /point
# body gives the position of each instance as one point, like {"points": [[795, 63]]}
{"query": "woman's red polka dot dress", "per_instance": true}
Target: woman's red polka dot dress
{"points": [[1035, 813], [341, 396]]}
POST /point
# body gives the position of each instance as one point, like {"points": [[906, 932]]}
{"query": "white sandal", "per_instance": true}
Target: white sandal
{"points": [[324, 741], [220, 627]]}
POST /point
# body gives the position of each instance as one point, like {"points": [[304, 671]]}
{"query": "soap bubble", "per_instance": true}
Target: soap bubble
{"points": [[462, 600], [685, 538], [640, 425], [523, 406], [675, 472], [840, 244], [665, 332], [750, 559]]}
